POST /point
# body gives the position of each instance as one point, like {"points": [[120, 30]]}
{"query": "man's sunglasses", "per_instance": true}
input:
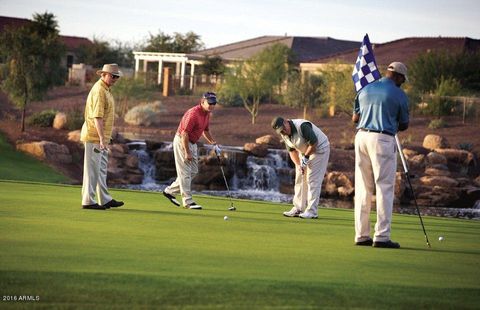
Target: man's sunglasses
{"points": [[114, 76]]}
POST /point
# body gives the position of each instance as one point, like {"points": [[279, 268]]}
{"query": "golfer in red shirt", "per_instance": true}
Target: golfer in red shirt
{"points": [[193, 125]]}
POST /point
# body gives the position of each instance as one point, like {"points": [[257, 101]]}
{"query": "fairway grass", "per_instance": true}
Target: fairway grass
{"points": [[150, 254]]}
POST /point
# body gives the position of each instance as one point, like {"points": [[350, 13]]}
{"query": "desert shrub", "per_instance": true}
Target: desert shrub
{"points": [[145, 114], [467, 146], [42, 119], [75, 119], [437, 123], [184, 91]]}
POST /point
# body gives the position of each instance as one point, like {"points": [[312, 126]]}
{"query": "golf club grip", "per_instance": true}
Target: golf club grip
{"points": [[400, 151]]}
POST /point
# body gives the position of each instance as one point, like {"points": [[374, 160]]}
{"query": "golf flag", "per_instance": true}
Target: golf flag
{"points": [[365, 70]]}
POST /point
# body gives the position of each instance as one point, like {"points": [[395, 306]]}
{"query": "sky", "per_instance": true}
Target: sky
{"points": [[226, 21]]}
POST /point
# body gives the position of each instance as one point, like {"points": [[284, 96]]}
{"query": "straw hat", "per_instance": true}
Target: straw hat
{"points": [[110, 68]]}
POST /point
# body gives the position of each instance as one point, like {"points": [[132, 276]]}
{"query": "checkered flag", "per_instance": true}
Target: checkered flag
{"points": [[365, 70]]}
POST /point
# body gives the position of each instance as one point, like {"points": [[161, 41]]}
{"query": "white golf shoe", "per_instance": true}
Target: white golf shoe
{"points": [[193, 206], [292, 213], [308, 214]]}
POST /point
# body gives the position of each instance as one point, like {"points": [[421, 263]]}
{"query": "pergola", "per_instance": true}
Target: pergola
{"points": [[181, 61]]}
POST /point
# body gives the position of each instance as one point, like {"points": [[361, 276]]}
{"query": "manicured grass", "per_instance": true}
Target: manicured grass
{"points": [[150, 254], [19, 166]]}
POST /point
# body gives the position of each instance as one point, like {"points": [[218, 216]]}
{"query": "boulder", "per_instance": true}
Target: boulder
{"points": [[74, 136], [46, 150], [338, 184], [271, 141], [60, 120], [131, 161], [437, 172], [433, 142], [399, 184], [259, 150], [442, 181], [434, 158], [457, 156], [417, 161], [408, 153]]}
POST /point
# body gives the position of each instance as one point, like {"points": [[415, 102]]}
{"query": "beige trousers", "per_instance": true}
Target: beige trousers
{"points": [[308, 187], [186, 171], [375, 167], [95, 167]]}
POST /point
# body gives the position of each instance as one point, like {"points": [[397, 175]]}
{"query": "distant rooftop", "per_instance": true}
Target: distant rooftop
{"points": [[304, 48], [71, 42], [406, 49]]}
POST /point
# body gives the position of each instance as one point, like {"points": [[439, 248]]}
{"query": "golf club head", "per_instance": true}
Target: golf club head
{"points": [[232, 208]]}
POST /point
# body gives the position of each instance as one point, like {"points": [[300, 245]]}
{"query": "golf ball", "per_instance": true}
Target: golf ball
{"points": [[225, 218], [440, 238]]}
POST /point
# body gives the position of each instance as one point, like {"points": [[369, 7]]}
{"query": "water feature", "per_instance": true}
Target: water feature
{"points": [[263, 179]]}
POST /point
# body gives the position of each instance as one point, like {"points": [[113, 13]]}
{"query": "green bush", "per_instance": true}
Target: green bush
{"points": [[75, 119], [43, 119], [437, 123], [467, 146]]}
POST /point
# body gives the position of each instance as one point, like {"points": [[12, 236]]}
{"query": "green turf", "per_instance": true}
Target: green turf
{"points": [[19, 166], [150, 254]]}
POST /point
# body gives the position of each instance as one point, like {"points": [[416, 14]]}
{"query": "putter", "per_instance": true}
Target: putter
{"points": [[405, 169], [232, 207]]}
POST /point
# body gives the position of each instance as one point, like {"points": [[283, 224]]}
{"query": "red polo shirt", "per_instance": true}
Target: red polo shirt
{"points": [[194, 122]]}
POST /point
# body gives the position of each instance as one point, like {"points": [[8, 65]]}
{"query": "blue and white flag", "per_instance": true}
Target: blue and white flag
{"points": [[365, 70]]}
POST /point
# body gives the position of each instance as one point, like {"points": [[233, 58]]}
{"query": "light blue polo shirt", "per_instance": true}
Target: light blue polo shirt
{"points": [[382, 106]]}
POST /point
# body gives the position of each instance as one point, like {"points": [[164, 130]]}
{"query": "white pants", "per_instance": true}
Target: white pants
{"points": [[375, 167], [308, 186], [186, 171], [95, 167]]}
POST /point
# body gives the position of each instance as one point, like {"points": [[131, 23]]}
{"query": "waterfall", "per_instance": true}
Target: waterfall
{"points": [[146, 163], [261, 182]]}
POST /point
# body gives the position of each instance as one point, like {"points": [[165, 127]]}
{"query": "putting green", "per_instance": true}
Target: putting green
{"points": [[150, 254]]}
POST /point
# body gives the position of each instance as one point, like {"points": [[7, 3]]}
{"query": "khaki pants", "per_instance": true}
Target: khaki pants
{"points": [[186, 171], [95, 175], [375, 167], [308, 187]]}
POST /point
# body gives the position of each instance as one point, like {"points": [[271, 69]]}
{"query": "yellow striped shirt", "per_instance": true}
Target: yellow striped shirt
{"points": [[100, 104]]}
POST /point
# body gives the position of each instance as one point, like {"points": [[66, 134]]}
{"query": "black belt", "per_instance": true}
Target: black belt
{"points": [[377, 131]]}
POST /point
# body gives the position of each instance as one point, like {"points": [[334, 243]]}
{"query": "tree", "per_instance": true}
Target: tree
{"points": [[212, 66], [338, 88], [257, 77], [33, 56], [178, 43], [303, 91], [426, 71]]}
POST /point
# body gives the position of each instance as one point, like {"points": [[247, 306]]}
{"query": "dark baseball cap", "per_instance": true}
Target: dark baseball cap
{"points": [[277, 124], [211, 97]]}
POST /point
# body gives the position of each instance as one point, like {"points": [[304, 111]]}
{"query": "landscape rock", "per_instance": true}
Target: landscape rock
{"points": [[259, 150], [437, 172], [434, 158], [74, 136], [271, 141], [457, 156], [338, 184], [46, 150], [60, 120], [477, 181], [442, 181], [433, 142]]}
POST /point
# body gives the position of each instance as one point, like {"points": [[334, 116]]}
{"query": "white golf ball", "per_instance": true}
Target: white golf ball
{"points": [[225, 218], [440, 238]]}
